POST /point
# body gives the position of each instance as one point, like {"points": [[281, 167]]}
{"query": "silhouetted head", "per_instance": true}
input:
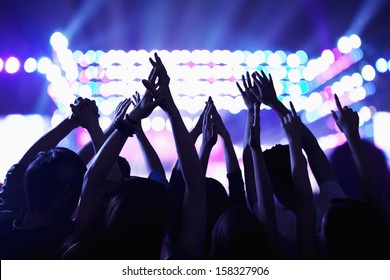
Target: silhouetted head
{"points": [[343, 164], [354, 230], [54, 177], [136, 220], [277, 160], [238, 235], [124, 166]]}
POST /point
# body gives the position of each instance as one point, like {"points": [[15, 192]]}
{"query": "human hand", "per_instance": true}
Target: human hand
{"points": [[246, 93], [292, 124], [209, 129], [143, 107], [160, 90], [221, 128], [254, 137], [85, 112], [266, 91], [347, 119]]}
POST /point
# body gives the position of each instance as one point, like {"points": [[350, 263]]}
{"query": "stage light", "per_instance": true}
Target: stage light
{"points": [[105, 122], [158, 123], [368, 73], [274, 60], [355, 41], [58, 41], [30, 65], [253, 60], [294, 75], [347, 83], [293, 60], [357, 80], [302, 56], [12, 65], [381, 65], [328, 56], [43, 65], [344, 45], [1, 64]]}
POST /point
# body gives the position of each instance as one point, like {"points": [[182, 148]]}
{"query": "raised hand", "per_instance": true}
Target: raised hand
{"points": [[142, 107], [209, 128], [347, 119], [160, 90], [292, 125], [247, 95], [266, 91], [221, 128], [85, 112]]}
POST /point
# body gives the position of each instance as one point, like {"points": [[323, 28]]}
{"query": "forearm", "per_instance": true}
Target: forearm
{"points": [[153, 163], [230, 155], [265, 200], [250, 185], [204, 156], [49, 140], [319, 163]]}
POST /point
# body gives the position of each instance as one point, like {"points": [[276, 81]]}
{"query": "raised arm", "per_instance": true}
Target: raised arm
{"points": [[193, 221], [319, 163], [103, 164], [348, 122], [91, 148], [152, 161], [236, 183], [265, 211], [305, 211], [209, 132], [249, 101], [52, 137]]}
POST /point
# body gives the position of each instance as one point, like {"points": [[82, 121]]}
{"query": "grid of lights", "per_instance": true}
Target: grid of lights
{"points": [[107, 77]]}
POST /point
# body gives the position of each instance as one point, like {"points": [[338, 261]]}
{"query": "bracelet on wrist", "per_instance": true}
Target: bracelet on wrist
{"points": [[127, 129]]}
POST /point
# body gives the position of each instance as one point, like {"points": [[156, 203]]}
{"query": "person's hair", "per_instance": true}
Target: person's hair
{"points": [[238, 235], [124, 167], [136, 220], [54, 173], [354, 230], [277, 160]]}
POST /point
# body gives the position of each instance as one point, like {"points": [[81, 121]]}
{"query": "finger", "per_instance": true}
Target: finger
{"points": [[150, 87], [152, 62], [334, 115], [338, 104], [152, 76], [239, 88], [294, 113], [244, 82], [248, 78]]}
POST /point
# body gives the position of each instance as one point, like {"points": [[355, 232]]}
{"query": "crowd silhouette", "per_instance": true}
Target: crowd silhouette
{"points": [[61, 204]]}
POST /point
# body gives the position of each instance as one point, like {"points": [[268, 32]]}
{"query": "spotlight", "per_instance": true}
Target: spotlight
{"points": [[355, 41], [381, 65], [368, 73], [344, 45], [30, 65], [58, 41], [1, 64], [12, 65]]}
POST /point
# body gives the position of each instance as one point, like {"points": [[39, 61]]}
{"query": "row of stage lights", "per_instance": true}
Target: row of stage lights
{"points": [[109, 76]]}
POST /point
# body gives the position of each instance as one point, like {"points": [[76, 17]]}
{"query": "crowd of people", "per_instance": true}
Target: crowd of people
{"points": [[61, 204]]}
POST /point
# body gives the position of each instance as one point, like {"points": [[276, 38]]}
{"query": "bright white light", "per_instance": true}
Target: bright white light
{"points": [[12, 65], [105, 122], [294, 75], [357, 80], [1, 64], [338, 88], [106, 107], [146, 124], [381, 65], [302, 56], [293, 60], [253, 60], [313, 102], [368, 73], [347, 83], [274, 60], [58, 41], [43, 65], [328, 56], [53, 73], [365, 114], [355, 41], [158, 124], [344, 45], [30, 65]]}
